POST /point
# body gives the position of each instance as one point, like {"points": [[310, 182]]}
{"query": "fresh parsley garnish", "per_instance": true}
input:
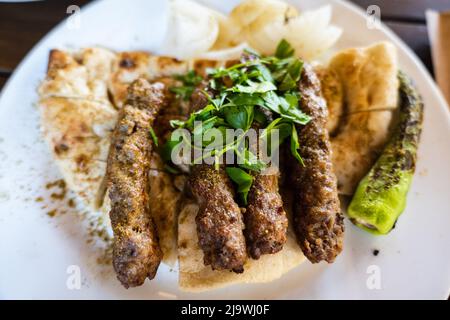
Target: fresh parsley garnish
{"points": [[242, 179], [189, 82], [239, 94], [284, 50], [154, 137]]}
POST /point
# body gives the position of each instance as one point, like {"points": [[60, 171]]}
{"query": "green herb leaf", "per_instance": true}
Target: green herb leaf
{"points": [[247, 160], [239, 117], [284, 50], [154, 137], [166, 150], [246, 99], [272, 102], [286, 107], [288, 83], [290, 75], [260, 117], [265, 73], [254, 87], [189, 82], [284, 130], [243, 181], [291, 99], [295, 145], [297, 116]]}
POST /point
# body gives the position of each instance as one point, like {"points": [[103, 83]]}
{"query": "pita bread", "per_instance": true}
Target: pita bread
{"points": [[78, 76], [129, 66], [333, 93], [195, 276], [358, 146], [77, 131], [77, 118], [361, 108], [368, 76]]}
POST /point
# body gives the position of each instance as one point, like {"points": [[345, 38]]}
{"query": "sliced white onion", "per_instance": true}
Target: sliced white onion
{"points": [[309, 33], [229, 32], [201, 33], [193, 29], [232, 53]]}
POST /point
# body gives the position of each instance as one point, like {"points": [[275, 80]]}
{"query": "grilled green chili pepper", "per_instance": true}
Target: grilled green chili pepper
{"points": [[381, 195]]}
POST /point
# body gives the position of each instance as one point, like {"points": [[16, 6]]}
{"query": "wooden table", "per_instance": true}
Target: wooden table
{"points": [[23, 24]]}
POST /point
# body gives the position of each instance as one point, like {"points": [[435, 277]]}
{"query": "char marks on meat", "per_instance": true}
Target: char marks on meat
{"points": [[318, 221], [136, 252], [219, 219], [265, 219]]}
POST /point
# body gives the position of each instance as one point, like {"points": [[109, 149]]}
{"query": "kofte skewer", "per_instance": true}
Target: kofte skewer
{"points": [[219, 219], [265, 218], [318, 220], [136, 251]]}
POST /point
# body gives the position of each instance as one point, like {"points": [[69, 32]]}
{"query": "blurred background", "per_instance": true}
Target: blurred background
{"points": [[23, 24]]}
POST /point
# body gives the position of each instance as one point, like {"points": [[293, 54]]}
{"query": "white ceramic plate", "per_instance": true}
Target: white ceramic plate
{"points": [[36, 251]]}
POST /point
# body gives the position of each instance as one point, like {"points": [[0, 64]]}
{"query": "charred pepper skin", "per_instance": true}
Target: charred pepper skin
{"points": [[318, 220], [136, 250], [381, 196]]}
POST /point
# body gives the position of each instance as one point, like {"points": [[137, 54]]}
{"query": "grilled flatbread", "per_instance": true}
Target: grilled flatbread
{"points": [[129, 66], [358, 146], [77, 117], [368, 76], [361, 89], [78, 101], [195, 276], [77, 131], [81, 75]]}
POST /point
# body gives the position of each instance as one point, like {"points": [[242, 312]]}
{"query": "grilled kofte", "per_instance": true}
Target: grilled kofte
{"points": [[233, 102], [136, 251], [318, 221], [219, 219], [262, 92], [265, 219]]}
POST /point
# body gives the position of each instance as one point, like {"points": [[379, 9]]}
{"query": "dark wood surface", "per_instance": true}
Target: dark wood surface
{"points": [[415, 35], [405, 10], [22, 25], [2, 80]]}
